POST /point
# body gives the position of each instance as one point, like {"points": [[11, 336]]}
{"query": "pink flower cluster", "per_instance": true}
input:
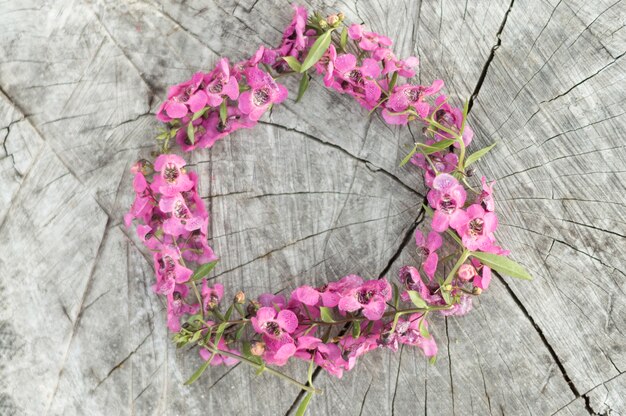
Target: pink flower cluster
{"points": [[173, 224], [295, 326], [330, 326]]}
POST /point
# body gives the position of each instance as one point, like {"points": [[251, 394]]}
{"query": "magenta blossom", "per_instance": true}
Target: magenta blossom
{"points": [[429, 247], [371, 296], [182, 219], [169, 271], [483, 275], [211, 295], [183, 98], [220, 84], [447, 198], [444, 162], [485, 198], [358, 81], [408, 96], [466, 272], [172, 178], [326, 65], [264, 92], [476, 227], [274, 325], [331, 292], [177, 307], [368, 41], [411, 280], [408, 332], [451, 118]]}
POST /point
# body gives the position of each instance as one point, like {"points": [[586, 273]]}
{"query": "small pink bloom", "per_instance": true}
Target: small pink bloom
{"points": [[408, 95], [177, 307], [263, 93], [332, 292], [368, 41], [466, 272], [211, 295], [371, 297], [171, 180], [483, 276], [358, 81], [447, 198], [476, 227], [429, 247], [326, 65], [452, 118], [274, 325], [445, 162], [411, 280], [169, 271], [306, 295], [485, 198], [220, 84], [407, 332], [183, 98]]}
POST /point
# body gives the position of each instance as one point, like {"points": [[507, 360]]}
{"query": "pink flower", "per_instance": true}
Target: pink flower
{"points": [[482, 279], [358, 81], [216, 130], [368, 41], [183, 98], [274, 325], [172, 180], [411, 280], [272, 300], [452, 118], [485, 198], [444, 162], [408, 95], [476, 227], [462, 307], [447, 198], [264, 92], [407, 332], [177, 307], [371, 297], [181, 219], [332, 292], [219, 84], [306, 295], [169, 271], [211, 295], [429, 247], [326, 65], [466, 272], [353, 348]]}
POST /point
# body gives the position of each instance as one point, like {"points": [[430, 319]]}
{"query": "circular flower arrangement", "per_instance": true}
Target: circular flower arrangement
{"points": [[328, 326]]}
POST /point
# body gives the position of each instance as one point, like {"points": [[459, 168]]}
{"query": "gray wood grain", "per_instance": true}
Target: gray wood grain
{"points": [[311, 194]]}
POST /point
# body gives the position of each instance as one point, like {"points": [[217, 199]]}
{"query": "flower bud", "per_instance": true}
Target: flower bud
{"points": [[341, 16], [253, 306], [257, 348], [240, 298], [323, 24], [447, 287], [466, 272], [332, 20], [469, 172], [477, 291]]}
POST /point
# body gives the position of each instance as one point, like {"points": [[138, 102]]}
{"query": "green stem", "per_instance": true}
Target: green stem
{"points": [[458, 264], [258, 366]]}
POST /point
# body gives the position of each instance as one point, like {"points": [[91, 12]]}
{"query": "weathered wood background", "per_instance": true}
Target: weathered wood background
{"points": [[313, 193]]}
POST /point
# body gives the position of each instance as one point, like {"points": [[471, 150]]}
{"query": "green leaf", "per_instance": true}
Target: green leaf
{"points": [[191, 133], [198, 372], [408, 157], [229, 312], [356, 329], [239, 332], [502, 264], [396, 295], [196, 336], [304, 84], [326, 314], [199, 114], [293, 63], [423, 330], [344, 39], [394, 79], [223, 111], [446, 296], [417, 299], [433, 360], [204, 270], [317, 51], [478, 154], [436, 147], [305, 403]]}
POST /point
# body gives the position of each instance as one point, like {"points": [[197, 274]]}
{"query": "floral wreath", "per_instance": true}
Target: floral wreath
{"points": [[329, 326]]}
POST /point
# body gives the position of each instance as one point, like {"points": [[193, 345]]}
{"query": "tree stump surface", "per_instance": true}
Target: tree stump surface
{"points": [[313, 193]]}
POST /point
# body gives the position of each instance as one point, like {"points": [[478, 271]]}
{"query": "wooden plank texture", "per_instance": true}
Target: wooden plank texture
{"points": [[311, 194]]}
